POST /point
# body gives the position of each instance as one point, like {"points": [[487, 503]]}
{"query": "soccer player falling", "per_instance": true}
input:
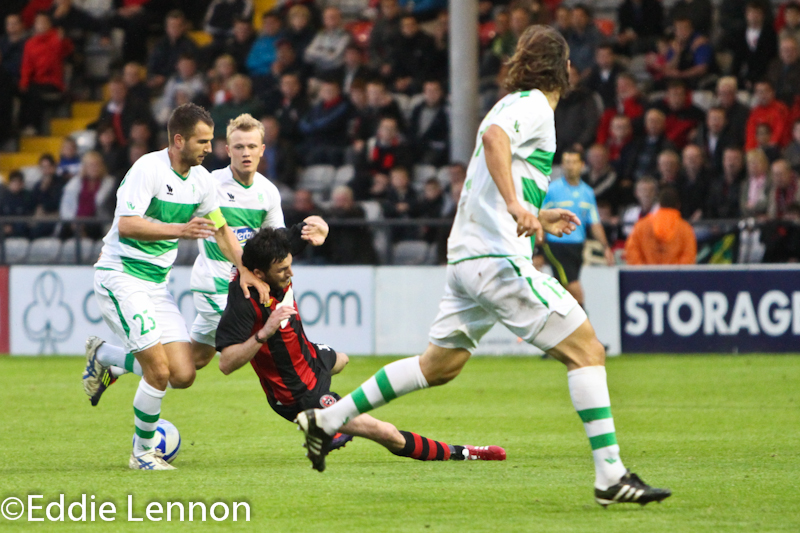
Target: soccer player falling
{"points": [[296, 373], [248, 201], [490, 275], [166, 196]]}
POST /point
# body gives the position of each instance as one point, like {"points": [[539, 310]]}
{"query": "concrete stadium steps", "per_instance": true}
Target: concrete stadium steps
{"points": [[14, 161], [86, 109], [65, 126], [41, 145], [259, 8], [201, 38]]}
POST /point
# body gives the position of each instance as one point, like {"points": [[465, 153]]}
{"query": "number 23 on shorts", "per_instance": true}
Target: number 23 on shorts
{"points": [[145, 321]]}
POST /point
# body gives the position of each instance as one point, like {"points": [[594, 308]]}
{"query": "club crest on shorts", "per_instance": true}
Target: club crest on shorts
{"points": [[327, 400]]}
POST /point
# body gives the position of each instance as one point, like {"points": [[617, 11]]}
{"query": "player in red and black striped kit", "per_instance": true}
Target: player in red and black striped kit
{"points": [[296, 373]]}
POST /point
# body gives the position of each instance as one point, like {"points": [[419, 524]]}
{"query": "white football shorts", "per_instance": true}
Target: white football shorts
{"points": [[209, 310], [141, 313], [482, 291]]}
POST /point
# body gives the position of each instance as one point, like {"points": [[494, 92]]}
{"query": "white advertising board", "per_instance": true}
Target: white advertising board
{"points": [[357, 310], [53, 309]]}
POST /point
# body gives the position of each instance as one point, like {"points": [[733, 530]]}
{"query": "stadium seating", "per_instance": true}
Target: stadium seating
{"points": [[413, 253], [187, 252], [69, 252], [318, 179], [16, 250], [44, 251], [344, 175]]}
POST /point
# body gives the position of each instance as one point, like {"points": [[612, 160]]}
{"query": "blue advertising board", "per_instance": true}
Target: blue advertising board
{"points": [[711, 310]]}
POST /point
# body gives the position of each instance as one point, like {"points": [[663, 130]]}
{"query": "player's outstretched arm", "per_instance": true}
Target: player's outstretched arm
{"points": [[497, 149], [315, 231], [558, 222], [230, 248], [136, 227], [236, 356]]}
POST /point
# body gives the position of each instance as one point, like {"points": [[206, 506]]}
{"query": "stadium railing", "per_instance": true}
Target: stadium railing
{"points": [[713, 236]]}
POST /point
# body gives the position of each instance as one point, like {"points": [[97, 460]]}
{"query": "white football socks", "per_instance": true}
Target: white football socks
{"points": [[589, 392], [146, 410], [118, 360], [391, 381]]}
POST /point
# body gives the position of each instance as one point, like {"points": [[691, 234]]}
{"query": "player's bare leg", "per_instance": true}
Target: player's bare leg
{"points": [[584, 357], [441, 365], [147, 408], [202, 354], [181, 364], [393, 380], [576, 290], [407, 444]]}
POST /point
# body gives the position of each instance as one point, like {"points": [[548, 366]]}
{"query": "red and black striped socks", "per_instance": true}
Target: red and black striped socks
{"points": [[425, 449]]}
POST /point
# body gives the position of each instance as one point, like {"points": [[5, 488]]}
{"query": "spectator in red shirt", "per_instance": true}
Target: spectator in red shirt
{"points": [[387, 149], [770, 111], [682, 117], [42, 73], [629, 103]]}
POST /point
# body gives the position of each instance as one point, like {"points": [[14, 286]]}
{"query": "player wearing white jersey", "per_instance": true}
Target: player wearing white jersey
{"points": [[248, 201], [490, 276], [166, 196]]}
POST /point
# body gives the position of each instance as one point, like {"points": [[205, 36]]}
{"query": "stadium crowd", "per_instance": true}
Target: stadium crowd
{"points": [[702, 98]]}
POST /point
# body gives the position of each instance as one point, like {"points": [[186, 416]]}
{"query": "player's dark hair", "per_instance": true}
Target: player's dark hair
{"points": [[266, 247], [668, 197], [184, 119], [540, 62]]}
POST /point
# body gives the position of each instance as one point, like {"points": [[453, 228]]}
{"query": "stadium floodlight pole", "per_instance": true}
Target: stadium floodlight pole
{"points": [[464, 104]]}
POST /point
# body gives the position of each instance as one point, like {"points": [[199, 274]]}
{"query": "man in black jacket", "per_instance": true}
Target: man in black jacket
{"points": [[169, 49], [429, 128], [753, 47], [577, 117]]}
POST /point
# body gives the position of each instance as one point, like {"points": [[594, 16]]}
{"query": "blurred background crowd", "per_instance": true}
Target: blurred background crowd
{"points": [[698, 96]]}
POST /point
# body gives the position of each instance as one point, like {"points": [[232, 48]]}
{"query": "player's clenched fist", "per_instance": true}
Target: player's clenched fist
{"points": [[197, 228]]}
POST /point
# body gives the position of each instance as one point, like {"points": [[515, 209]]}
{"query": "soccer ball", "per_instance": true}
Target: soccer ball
{"points": [[169, 441]]}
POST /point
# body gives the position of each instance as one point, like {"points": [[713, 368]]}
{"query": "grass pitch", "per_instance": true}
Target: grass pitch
{"points": [[722, 432]]}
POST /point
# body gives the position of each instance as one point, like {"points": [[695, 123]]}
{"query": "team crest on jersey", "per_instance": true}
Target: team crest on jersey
{"points": [[242, 234], [261, 197], [327, 400]]}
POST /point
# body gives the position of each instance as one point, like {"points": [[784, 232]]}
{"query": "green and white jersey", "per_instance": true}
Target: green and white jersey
{"points": [[246, 209], [154, 191], [482, 226]]}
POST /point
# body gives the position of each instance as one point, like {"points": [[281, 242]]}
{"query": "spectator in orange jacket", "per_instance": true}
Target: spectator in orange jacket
{"points": [[662, 238], [770, 111], [42, 70]]}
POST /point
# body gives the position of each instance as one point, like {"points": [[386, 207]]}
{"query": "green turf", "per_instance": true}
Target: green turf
{"points": [[722, 432]]}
